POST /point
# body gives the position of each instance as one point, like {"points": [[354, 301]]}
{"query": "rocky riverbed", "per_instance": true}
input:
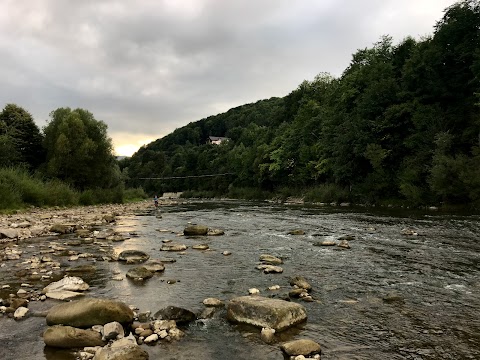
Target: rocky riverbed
{"points": [[44, 259], [210, 280]]}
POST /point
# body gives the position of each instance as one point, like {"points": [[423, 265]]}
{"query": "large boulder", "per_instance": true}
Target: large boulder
{"points": [[265, 313], [133, 256], [70, 337], [195, 230], [88, 312]]}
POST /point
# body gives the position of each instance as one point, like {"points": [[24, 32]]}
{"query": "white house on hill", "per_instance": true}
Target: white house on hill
{"points": [[217, 140]]}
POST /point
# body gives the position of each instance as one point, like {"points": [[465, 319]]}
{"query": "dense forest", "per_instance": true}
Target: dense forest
{"points": [[402, 123]]}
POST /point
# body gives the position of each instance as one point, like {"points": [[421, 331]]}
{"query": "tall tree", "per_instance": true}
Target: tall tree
{"points": [[20, 138], [79, 150]]}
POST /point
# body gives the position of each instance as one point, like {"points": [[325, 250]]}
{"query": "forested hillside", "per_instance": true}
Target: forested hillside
{"points": [[401, 122]]}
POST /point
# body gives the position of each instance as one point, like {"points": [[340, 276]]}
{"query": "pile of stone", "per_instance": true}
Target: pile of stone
{"points": [[301, 289], [269, 264], [95, 324]]}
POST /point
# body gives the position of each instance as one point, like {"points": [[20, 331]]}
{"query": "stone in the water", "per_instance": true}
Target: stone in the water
{"points": [[173, 247], [20, 313], [303, 347], [63, 294], [112, 330], [267, 335], [213, 302], [68, 283], [268, 269], [128, 351], [226, 253], [133, 256], [296, 232], [200, 247], [70, 337], [180, 315], [344, 244], [265, 313], [270, 259], [85, 313], [325, 243], [253, 291], [82, 269], [154, 266], [151, 339], [215, 232], [139, 273], [301, 282], [195, 230]]}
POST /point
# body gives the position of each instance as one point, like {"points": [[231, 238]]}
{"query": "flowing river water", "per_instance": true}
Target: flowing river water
{"points": [[434, 278]]}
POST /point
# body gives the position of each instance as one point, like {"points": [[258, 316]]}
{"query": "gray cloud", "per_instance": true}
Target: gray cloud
{"points": [[148, 67]]}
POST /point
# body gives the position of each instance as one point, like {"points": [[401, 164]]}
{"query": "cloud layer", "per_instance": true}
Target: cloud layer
{"points": [[146, 67]]}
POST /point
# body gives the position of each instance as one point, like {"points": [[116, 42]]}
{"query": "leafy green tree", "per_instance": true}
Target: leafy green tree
{"points": [[20, 138], [79, 150]]}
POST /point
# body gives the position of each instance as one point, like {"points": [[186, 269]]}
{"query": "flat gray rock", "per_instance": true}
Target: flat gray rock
{"points": [[265, 313]]}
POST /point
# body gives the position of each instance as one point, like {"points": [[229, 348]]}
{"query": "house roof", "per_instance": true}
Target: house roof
{"points": [[216, 138]]}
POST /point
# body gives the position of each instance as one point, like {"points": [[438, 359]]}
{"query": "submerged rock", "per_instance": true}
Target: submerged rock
{"points": [[303, 347], [180, 315], [215, 232], [265, 313], [133, 256], [70, 337], [195, 230], [300, 282], [268, 269], [270, 259], [173, 247], [68, 283], [139, 273], [154, 266], [88, 312], [296, 232]]}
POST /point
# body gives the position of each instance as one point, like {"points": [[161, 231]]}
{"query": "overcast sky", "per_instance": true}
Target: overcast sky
{"points": [[147, 67]]}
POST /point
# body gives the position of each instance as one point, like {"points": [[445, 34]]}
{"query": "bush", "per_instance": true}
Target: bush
{"points": [[134, 194], [58, 193], [327, 193]]}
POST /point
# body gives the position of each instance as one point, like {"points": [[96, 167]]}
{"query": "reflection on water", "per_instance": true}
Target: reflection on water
{"points": [[435, 275]]}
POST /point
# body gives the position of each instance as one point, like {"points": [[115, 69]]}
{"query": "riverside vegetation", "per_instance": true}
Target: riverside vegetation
{"points": [[400, 124]]}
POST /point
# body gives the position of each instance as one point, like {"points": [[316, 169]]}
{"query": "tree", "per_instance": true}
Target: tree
{"points": [[20, 138], [79, 150]]}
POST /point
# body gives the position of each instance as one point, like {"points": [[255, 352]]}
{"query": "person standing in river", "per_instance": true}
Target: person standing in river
{"points": [[155, 201]]}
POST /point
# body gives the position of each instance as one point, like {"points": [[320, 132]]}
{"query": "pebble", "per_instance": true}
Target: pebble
{"points": [[226, 253], [253, 291]]}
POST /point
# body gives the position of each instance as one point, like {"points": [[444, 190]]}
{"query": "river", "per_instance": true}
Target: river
{"points": [[434, 277]]}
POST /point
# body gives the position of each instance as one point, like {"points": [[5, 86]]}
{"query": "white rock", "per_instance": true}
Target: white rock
{"points": [[176, 333], [20, 313], [213, 302], [69, 283], [151, 339], [253, 291], [21, 292], [163, 334], [267, 335], [274, 287]]}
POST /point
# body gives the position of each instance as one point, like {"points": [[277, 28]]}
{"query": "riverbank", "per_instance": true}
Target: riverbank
{"points": [[36, 222]]}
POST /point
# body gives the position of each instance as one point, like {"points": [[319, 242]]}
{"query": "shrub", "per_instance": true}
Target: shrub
{"points": [[327, 193]]}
